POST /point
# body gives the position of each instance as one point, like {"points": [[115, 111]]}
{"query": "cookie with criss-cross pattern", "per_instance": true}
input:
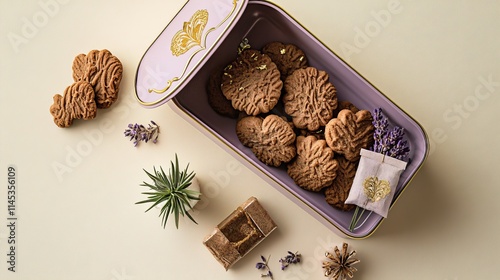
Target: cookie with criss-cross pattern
{"points": [[288, 57], [252, 83], [103, 71], [337, 193], [315, 167], [271, 139], [350, 132], [77, 102], [309, 98]]}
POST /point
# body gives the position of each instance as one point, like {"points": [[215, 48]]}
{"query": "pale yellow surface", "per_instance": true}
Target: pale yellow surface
{"points": [[439, 60]]}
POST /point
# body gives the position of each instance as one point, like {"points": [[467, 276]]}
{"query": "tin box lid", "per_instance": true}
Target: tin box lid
{"points": [[183, 47]]}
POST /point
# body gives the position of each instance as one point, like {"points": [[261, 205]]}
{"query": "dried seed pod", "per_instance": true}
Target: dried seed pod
{"points": [[340, 264]]}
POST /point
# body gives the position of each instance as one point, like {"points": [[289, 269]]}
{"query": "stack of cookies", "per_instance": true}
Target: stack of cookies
{"points": [[97, 76], [288, 114]]}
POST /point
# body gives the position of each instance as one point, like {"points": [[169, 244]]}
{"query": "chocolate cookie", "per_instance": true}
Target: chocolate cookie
{"points": [[309, 98], [103, 71], [252, 83], [216, 99], [287, 57], [315, 166], [271, 139], [337, 193], [77, 102], [349, 132]]}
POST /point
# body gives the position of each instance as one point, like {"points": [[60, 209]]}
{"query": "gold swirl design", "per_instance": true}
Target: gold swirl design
{"points": [[376, 189], [191, 33], [189, 36]]}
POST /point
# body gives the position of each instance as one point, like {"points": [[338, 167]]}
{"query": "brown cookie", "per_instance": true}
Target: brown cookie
{"points": [[345, 105], [216, 99], [337, 193], [320, 133], [103, 71], [349, 132], [309, 98], [315, 166], [271, 139], [77, 102], [252, 83], [287, 57]]}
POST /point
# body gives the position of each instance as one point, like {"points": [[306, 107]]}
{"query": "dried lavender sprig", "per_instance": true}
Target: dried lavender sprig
{"points": [[139, 132], [264, 266], [291, 258], [380, 124]]}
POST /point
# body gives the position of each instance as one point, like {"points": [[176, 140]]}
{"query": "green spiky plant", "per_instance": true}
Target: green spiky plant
{"points": [[172, 191]]}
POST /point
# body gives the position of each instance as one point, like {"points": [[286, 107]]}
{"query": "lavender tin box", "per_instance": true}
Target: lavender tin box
{"points": [[205, 35]]}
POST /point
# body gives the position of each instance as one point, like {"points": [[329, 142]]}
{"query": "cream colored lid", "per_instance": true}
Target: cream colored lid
{"points": [[183, 47]]}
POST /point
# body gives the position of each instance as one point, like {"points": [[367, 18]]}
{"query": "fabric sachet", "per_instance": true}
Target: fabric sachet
{"points": [[375, 182]]}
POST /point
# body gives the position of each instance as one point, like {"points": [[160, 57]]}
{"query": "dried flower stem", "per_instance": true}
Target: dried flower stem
{"points": [[139, 132], [264, 266], [291, 258]]}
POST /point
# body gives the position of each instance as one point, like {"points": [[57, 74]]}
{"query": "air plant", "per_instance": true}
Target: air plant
{"points": [[171, 192]]}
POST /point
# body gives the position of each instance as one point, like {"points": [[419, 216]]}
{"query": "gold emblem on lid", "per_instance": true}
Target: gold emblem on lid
{"points": [[191, 35]]}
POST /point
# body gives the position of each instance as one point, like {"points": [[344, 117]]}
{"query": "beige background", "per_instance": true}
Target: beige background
{"points": [[439, 60]]}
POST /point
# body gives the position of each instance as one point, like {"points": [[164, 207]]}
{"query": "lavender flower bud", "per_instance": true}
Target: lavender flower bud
{"points": [[139, 132], [260, 265]]}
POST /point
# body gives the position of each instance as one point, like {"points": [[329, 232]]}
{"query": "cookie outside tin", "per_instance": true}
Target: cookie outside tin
{"points": [[262, 22]]}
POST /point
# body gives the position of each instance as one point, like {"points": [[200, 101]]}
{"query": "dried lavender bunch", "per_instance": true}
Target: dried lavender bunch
{"points": [[139, 132], [263, 266], [291, 258], [398, 147], [388, 142], [380, 124]]}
